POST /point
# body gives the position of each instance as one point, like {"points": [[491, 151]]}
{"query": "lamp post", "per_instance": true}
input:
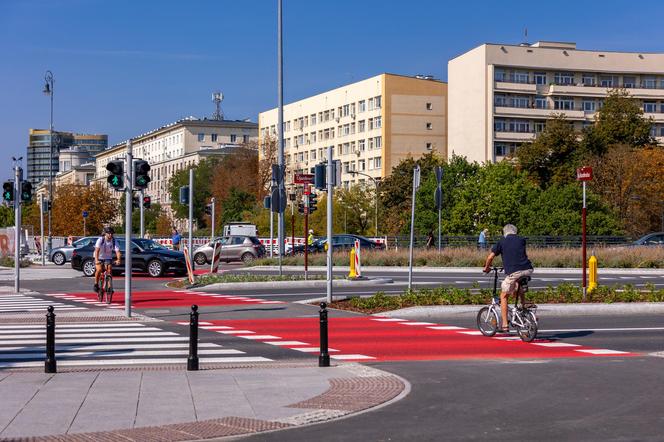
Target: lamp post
{"points": [[375, 182], [48, 90]]}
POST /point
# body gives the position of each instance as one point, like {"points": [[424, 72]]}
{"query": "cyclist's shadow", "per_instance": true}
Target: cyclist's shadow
{"points": [[565, 335]]}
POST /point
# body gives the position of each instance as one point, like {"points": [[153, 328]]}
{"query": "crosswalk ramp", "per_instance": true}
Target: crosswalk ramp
{"points": [[107, 344], [19, 303]]}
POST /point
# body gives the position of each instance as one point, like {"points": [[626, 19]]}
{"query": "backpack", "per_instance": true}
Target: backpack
{"points": [[115, 242]]}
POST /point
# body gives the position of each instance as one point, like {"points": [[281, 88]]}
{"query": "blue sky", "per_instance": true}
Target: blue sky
{"points": [[124, 67]]}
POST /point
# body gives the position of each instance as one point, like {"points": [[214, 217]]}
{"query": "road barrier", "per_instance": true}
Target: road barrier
{"points": [[216, 258], [592, 270], [190, 270], [324, 356], [192, 360], [358, 259], [352, 273], [49, 363]]}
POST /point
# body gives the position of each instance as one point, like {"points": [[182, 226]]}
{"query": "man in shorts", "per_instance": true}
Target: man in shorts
{"points": [[104, 248], [516, 264]]}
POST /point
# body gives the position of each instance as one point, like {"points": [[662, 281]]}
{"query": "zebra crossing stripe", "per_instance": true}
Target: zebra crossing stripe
{"points": [[76, 330], [107, 362]]}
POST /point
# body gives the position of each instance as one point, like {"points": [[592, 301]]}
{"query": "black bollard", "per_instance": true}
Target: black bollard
{"points": [[192, 361], [324, 357], [49, 363]]}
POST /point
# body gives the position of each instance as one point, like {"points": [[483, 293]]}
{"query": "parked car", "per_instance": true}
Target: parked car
{"points": [[233, 248], [340, 242], [651, 239], [147, 256], [61, 255]]}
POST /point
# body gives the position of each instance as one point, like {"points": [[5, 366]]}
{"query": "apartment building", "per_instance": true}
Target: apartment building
{"points": [[177, 146], [69, 149], [372, 125], [500, 95]]}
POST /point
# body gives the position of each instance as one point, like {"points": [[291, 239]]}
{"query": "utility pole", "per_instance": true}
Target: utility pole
{"points": [[129, 197], [330, 195], [438, 197], [18, 176], [49, 89], [271, 232], [280, 129], [416, 185], [191, 215]]}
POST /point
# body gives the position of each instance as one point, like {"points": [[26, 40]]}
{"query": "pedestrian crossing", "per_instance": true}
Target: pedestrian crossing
{"points": [[107, 344], [19, 303]]}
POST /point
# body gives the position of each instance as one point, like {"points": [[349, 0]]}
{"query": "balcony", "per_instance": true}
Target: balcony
{"points": [[529, 112], [514, 136], [505, 86], [658, 117]]}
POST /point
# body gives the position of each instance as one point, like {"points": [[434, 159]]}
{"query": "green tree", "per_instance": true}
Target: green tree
{"points": [[203, 174], [6, 216], [552, 158], [238, 206], [619, 121], [359, 206]]}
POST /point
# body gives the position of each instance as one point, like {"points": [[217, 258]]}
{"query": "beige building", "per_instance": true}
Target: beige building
{"points": [[372, 124], [81, 175], [177, 146], [501, 95]]}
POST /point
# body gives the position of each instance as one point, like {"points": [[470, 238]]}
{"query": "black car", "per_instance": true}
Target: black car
{"points": [[652, 239], [147, 256], [340, 242]]}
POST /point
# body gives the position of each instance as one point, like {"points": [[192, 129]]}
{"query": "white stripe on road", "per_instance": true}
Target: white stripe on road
{"points": [[417, 323], [117, 353], [311, 349], [79, 330], [601, 351], [556, 344], [59, 326], [350, 357], [285, 343], [387, 319], [92, 362], [259, 337], [235, 332], [564, 330], [101, 334], [95, 340], [41, 348], [446, 327]]}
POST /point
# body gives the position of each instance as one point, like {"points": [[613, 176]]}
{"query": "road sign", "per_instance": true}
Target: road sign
{"points": [[584, 173], [303, 178], [85, 214]]}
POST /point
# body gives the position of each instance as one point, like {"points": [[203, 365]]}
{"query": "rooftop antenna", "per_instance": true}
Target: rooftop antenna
{"points": [[217, 98]]}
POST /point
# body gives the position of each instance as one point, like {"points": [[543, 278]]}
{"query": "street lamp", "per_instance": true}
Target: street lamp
{"points": [[375, 181], [48, 90]]}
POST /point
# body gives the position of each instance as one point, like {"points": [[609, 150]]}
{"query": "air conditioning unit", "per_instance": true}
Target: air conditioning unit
{"points": [[336, 119], [357, 152], [352, 116]]}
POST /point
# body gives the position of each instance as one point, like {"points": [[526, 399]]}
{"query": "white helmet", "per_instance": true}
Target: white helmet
{"points": [[311, 231]]}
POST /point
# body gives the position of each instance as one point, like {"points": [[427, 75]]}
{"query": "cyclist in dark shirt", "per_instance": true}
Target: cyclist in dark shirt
{"points": [[515, 262]]}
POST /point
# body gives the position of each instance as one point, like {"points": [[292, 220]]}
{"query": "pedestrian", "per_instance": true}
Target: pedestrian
{"points": [[38, 245], [148, 235], [310, 238], [482, 240], [176, 239], [430, 240]]}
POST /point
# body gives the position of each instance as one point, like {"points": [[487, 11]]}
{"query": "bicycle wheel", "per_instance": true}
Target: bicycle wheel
{"points": [[487, 321], [108, 285], [528, 331]]}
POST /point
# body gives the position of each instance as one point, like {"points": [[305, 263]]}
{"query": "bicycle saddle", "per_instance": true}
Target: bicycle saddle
{"points": [[524, 280]]}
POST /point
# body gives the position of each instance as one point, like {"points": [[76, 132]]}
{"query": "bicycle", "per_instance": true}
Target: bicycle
{"points": [[523, 317], [106, 287]]}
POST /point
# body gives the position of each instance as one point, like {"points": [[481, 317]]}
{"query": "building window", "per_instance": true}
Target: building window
{"points": [[500, 149], [649, 107], [541, 103], [214, 138], [361, 106], [661, 107], [234, 138], [361, 125], [371, 104], [563, 78], [540, 77], [589, 105], [361, 165], [312, 119], [378, 122], [606, 81], [500, 125], [563, 103], [520, 126], [629, 82], [312, 154], [500, 100], [378, 102], [201, 137], [520, 77], [588, 80], [539, 126], [379, 142], [361, 145], [429, 126], [429, 146], [649, 83], [377, 162], [520, 102], [429, 106], [499, 75]]}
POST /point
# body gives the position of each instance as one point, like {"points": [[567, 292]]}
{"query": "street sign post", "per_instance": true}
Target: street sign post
{"points": [[416, 185], [438, 196], [85, 215], [584, 174]]}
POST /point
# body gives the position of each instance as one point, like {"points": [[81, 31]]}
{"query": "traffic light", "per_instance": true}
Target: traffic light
{"points": [[141, 172], [319, 178], [312, 202], [208, 209], [8, 191], [147, 202], [116, 174], [184, 195], [135, 203], [267, 202], [26, 191], [300, 208]]}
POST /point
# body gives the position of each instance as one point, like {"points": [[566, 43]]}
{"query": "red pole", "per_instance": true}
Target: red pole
{"points": [[306, 230], [293, 231], [583, 239]]}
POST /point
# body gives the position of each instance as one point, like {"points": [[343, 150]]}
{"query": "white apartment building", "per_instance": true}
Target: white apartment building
{"points": [[501, 95], [177, 146], [372, 124]]}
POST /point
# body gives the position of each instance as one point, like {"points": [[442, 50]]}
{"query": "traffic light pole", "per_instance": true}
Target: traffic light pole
{"points": [[129, 180], [142, 193], [41, 223], [191, 215], [306, 231], [17, 227], [212, 215], [330, 195], [280, 129]]}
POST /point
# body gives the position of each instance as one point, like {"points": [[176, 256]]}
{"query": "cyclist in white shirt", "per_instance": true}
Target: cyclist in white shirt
{"points": [[104, 248]]}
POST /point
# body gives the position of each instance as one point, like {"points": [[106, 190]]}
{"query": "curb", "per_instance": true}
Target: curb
{"points": [[618, 308], [320, 283], [478, 270]]}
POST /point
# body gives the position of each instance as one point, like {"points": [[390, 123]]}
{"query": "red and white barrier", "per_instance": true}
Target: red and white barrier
{"points": [[190, 270], [358, 260], [216, 258]]}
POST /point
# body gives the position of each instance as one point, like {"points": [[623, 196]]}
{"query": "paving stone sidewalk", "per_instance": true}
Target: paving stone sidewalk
{"points": [[175, 405]]}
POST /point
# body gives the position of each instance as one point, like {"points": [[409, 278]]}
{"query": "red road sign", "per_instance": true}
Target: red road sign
{"points": [[303, 178], [584, 173]]}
